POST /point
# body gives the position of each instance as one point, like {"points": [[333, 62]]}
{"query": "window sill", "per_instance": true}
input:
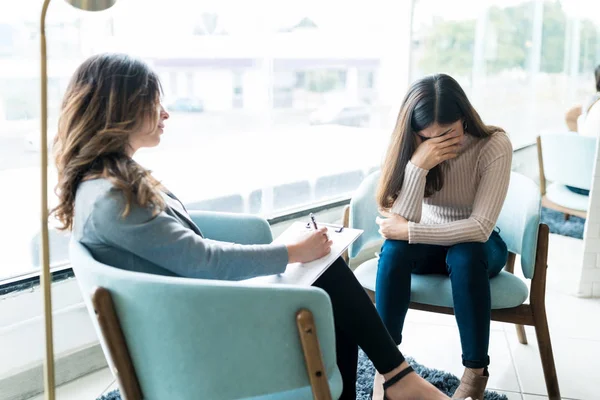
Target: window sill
{"points": [[32, 279], [22, 338]]}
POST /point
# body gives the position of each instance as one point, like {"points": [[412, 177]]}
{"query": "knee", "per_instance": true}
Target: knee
{"points": [[395, 247], [394, 256], [394, 250], [468, 261]]}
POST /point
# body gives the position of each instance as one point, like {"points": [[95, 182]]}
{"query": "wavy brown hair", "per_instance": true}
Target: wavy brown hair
{"points": [[435, 98], [109, 97]]}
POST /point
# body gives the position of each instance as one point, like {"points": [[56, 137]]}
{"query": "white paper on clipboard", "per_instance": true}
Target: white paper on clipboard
{"points": [[306, 274]]}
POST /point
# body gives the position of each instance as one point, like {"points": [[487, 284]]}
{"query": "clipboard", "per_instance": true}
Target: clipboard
{"points": [[305, 274]]}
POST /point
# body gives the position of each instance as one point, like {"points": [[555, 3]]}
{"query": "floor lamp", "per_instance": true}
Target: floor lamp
{"points": [[88, 5]]}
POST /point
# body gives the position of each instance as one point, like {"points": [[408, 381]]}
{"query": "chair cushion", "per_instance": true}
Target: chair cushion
{"points": [[562, 196], [507, 290]]}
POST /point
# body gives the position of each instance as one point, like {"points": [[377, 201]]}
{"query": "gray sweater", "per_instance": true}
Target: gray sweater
{"points": [[166, 244]]}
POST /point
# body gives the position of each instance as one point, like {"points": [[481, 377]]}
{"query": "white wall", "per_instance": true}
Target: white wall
{"points": [[589, 284]]}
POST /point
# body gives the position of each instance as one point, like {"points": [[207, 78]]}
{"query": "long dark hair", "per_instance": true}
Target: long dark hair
{"points": [[597, 75], [436, 98], [109, 97]]}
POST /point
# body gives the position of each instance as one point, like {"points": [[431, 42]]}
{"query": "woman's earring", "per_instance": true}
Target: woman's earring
{"points": [[465, 125]]}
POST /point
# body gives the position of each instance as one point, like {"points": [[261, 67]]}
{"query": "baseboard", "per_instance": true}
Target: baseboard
{"points": [[68, 367]]}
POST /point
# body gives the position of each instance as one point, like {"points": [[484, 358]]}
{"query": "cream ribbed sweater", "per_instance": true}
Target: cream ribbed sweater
{"points": [[467, 207]]}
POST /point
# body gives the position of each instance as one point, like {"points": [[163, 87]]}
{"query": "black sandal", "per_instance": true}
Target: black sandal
{"points": [[395, 379]]}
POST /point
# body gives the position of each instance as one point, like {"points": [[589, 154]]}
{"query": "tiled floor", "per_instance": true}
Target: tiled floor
{"points": [[516, 369]]}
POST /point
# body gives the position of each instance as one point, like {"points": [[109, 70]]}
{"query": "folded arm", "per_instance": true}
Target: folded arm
{"points": [[488, 203]]}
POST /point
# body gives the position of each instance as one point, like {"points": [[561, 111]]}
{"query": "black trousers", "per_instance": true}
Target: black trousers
{"points": [[357, 323]]}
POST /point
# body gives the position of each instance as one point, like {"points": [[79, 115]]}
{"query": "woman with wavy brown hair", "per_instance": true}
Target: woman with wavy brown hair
{"points": [[128, 220], [442, 186]]}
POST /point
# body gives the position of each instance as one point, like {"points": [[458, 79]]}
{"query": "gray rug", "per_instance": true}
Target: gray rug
{"points": [[444, 381], [557, 224]]}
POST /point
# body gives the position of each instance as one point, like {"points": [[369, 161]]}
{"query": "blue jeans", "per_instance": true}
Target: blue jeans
{"points": [[470, 267]]}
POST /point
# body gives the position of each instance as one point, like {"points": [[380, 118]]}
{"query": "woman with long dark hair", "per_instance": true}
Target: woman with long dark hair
{"points": [[127, 219], [442, 186]]}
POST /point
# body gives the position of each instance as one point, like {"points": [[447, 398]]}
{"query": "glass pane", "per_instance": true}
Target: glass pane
{"points": [[269, 110], [522, 63]]}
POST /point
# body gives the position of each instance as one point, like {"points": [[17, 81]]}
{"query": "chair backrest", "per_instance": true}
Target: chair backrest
{"points": [[363, 211], [204, 339], [518, 221], [568, 158]]}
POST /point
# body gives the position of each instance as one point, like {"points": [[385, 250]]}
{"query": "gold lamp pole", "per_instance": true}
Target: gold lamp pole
{"points": [[88, 5]]}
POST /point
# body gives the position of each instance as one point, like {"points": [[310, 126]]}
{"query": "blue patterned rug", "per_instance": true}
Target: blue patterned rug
{"points": [[444, 381], [557, 224]]}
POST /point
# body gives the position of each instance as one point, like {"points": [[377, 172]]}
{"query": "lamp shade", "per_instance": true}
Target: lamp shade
{"points": [[92, 5]]}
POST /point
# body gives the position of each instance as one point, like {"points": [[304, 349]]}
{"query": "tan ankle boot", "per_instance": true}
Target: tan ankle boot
{"points": [[471, 385]]}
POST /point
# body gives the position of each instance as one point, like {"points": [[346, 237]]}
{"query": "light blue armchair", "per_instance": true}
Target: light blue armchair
{"points": [[566, 159], [520, 227], [179, 338]]}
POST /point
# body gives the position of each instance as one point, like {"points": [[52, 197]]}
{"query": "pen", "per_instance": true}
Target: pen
{"points": [[338, 228], [312, 218]]}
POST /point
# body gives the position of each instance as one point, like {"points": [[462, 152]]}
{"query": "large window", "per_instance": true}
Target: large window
{"points": [[523, 63], [273, 105], [276, 106]]}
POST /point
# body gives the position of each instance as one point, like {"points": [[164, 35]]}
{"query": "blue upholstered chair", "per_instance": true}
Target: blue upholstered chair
{"points": [[179, 338], [520, 227], [566, 159]]}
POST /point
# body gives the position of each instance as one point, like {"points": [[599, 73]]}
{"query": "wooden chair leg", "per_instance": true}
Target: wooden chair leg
{"points": [[346, 224], [543, 338], [521, 334], [312, 355], [567, 216]]}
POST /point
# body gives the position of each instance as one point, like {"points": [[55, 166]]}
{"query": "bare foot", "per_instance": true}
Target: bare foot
{"points": [[411, 387]]}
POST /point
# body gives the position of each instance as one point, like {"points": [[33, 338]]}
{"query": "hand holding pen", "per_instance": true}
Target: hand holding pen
{"points": [[311, 247], [314, 222]]}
